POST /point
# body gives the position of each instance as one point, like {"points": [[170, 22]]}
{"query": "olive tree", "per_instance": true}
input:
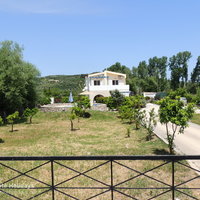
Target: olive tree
{"points": [[30, 113], [149, 122], [12, 118], [175, 116], [72, 117]]}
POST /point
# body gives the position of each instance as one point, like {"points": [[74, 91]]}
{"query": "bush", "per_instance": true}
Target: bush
{"points": [[83, 102], [44, 100], [160, 95], [64, 99], [1, 121], [116, 99], [136, 101], [103, 100], [182, 92]]}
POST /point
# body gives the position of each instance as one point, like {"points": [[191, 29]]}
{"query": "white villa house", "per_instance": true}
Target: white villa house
{"points": [[100, 84]]}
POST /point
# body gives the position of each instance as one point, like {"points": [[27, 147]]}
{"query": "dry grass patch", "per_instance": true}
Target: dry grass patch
{"points": [[102, 134]]}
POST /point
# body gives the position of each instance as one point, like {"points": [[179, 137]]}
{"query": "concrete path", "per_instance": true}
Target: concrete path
{"points": [[187, 143]]}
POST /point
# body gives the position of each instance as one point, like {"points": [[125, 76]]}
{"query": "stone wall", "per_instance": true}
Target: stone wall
{"points": [[64, 107], [57, 107], [54, 109], [99, 106]]}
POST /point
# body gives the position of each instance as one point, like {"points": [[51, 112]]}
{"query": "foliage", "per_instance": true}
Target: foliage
{"points": [[178, 65], [63, 83], [12, 118], [78, 111], [182, 92], [115, 100], [117, 67], [83, 102], [65, 99], [160, 95], [30, 113], [131, 110], [195, 76], [126, 113], [136, 101], [18, 80], [157, 68], [44, 100], [1, 121], [174, 115], [149, 122], [198, 96], [103, 100]]}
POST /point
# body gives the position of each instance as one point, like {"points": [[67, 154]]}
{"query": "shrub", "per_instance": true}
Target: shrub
{"points": [[115, 100], [160, 95], [103, 100], [44, 100], [1, 121], [83, 102], [64, 99]]}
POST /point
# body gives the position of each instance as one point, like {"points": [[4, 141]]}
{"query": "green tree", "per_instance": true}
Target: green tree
{"points": [[157, 68], [72, 117], [30, 113], [149, 122], [195, 76], [12, 118], [1, 121], [115, 100], [142, 70], [126, 113], [131, 110], [175, 117], [83, 102], [117, 67], [178, 65], [18, 80], [78, 111]]}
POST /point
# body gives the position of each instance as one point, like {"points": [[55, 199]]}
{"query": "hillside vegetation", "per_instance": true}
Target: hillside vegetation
{"points": [[63, 82]]}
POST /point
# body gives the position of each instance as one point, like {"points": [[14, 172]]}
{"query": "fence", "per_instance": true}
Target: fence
{"points": [[108, 178]]}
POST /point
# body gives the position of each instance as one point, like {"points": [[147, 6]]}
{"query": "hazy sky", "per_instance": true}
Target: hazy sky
{"points": [[84, 36]]}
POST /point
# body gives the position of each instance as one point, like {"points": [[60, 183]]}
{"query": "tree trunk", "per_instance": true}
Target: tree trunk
{"points": [[12, 127], [72, 125], [30, 120]]}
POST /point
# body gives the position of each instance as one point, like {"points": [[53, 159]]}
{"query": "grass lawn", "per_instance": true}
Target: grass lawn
{"points": [[102, 134], [196, 119]]}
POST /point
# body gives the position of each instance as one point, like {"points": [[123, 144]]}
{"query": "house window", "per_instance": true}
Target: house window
{"points": [[96, 82], [115, 82]]}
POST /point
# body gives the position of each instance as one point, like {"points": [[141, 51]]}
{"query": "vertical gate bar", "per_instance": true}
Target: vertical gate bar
{"points": [[111, 177], [173, 188], [52, 180]]}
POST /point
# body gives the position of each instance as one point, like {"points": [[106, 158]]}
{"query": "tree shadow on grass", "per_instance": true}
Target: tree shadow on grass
{"points": [[74, 129], [161, 152], [13, 131], [1, 140]]}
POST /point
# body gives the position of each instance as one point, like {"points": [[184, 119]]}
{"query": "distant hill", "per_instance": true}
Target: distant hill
{"points": [[64, 82]]}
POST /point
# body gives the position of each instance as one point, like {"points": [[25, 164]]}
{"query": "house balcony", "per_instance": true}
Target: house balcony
{"points": [[121, 88]]}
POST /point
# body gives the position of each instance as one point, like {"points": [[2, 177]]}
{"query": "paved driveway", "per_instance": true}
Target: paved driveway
{"points": [[187, 143]]}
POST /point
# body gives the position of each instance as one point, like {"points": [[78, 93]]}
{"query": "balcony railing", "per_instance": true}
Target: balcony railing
{"points": [[99, 177], [109, 87]]}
